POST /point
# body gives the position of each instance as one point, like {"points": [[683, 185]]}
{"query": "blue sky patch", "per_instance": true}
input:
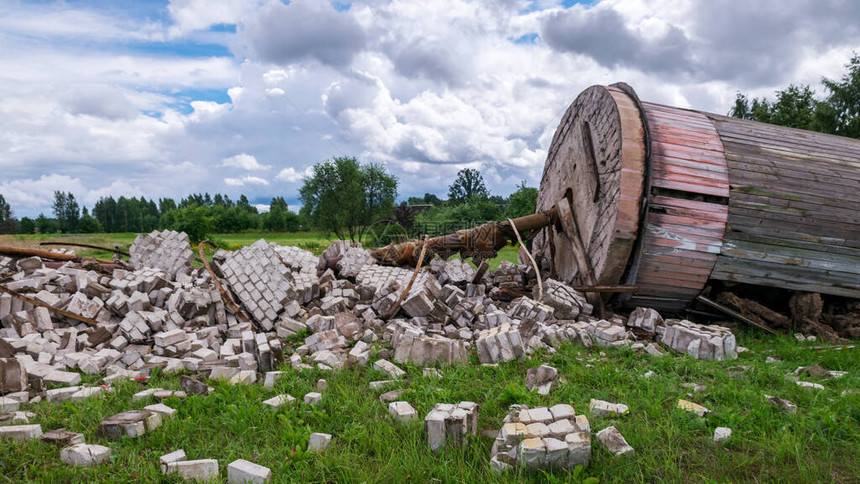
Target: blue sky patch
{"points": [[532, 38]]}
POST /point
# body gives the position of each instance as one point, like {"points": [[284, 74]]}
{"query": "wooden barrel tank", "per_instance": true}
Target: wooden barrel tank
{"points": [[667, 199]]}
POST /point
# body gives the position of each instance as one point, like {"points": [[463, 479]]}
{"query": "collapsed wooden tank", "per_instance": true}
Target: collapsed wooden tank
{"points": [[667, 199]]}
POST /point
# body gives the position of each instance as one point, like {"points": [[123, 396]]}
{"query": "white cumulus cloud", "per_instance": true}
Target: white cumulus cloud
{"points": [[244, 161]]}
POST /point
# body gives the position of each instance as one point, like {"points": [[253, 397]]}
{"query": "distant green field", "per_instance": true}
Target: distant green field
{"points": [[313, 241]]}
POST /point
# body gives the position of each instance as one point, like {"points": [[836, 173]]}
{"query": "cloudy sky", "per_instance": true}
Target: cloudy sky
{"points": [[165, 98]]}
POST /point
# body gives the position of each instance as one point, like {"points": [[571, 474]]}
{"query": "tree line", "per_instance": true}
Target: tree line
{"points": [[836, 112], [342, 197]]}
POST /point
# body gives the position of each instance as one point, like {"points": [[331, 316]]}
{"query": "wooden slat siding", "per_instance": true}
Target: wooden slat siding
{"points": [[682, 236], [794, 208]]}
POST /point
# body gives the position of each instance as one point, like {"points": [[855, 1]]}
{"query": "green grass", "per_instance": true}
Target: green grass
{"points": [[821, 443]]}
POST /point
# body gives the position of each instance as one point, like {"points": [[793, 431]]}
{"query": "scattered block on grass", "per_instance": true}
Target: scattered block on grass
{"points": [[318, 442], [557, 443], [62, 438], [321, 385], [600, 408], [9, 404], [402, 411], [167, 459], [782, 403], [391, 396], [614, 442], [271, 378], [86, 392], [450, 424], [721, 434], [144, 394], [84, 455], [16, 418], [57, 395], [541, 379], [279, 400], [389, 368], [809, 385], [162, 409], [21, 432], [699, 410], [313, 398], [241, 471], [202, 470], [194, 387], [133, 423], [165, 394]]}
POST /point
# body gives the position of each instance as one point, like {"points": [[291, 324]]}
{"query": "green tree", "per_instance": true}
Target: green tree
{"points": [[469, 184], [88, 224], [194, 222], [276, 218], [840, 112], [522, 202], [8, 224], [345, 197], [67, 211], [26, 226], [46, 225]]}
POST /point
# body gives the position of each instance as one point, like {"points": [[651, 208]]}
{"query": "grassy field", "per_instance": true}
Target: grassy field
{"points": [[821, 443], [313, 241]]}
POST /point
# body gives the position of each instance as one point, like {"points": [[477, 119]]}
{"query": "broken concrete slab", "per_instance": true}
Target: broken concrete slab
{"points": [[175, 456], [541, 379], [312, 398], [450, 424], [62, 437], [693, 407], [600, 408], [85, 455], [318, 442], [241, 471], [132, 423], [279, 400], [722, 434], [402, 411], [614, 442], [389, 368], [13, 376], [21, 432], [781, 403], [203, 470]]}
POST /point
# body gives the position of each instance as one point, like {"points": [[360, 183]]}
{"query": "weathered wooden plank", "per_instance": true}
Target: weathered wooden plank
{"points": [[689, 186], [792, 256], [789, 232], [775, 275]]}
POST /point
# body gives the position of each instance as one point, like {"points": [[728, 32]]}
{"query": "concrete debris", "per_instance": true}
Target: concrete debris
{"points": [[700, 341], [169, 251], [402, 411], [318, 442], [614, 442], [132, 423], [13, 376], [542, 438], [412, 345], [241, 471], [432, 373], [175, 456], [62, 438], [203, 470], [600, 408], [781, 403], [9, 404], [391, 396], [693, 407], [16, 418], [810, 385], [645, 319], [313, 398], [279, 400], [541, 379], [450, 424], [85, 455], [722, 434], [21, 432], [389, 368], [499, 344]]}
